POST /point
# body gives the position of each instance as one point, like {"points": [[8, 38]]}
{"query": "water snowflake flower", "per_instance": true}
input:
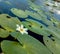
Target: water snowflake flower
{"points": [[21, 29]]}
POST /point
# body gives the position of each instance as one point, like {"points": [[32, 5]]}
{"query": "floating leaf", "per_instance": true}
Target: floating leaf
{"points": [[33, 14], [30, 44], [33, 6], [36, 27], [10, 47], [37, 8], [9, 23], [56, 22], [53, 44], [54, 31], [3, 33], [19, 13]]}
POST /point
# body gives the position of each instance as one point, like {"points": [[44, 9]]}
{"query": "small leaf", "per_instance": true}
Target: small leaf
{"points": [[19, 13], [33, 15]]}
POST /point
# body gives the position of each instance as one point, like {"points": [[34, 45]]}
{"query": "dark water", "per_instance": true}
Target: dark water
{"points": [[6, 5]]}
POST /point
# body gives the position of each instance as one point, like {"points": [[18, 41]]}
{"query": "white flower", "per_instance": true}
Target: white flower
{"points": [[21, 29]]}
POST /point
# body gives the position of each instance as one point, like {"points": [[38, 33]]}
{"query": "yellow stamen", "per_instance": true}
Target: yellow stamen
{"points": [[21, 29]]}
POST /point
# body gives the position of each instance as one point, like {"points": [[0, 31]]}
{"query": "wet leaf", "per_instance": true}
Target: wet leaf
{"points": [[9, 23], [3, 33], [35, 27], [30, 44], [52, 44], [19, 13], [10, 47]]}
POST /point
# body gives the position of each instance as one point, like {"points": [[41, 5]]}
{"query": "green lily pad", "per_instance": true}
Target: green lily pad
{"points": [[30, 44], [37, 8], [19, 13], [56, 21], [33, 5], [54, 31], [36, 27], [10, 47], [40, 29], [16, 20], [49, 30], [34, 15], [42, 15], [9, 23], [53, 44], [3, 33], [47, 22]]}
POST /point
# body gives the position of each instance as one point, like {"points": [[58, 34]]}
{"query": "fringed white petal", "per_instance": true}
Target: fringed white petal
{"points": [[21, 26], [25, 29], [26, 32], [17, 25]]}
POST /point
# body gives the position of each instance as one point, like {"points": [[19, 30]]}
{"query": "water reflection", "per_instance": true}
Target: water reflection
{"points": [[6, 5]]}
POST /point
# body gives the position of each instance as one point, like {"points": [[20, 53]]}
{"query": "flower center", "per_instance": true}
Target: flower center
{"points": [[21, 29]]}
